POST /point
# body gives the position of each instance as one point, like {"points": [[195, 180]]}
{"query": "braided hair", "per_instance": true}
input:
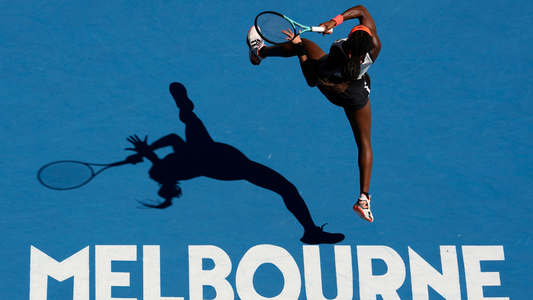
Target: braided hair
{"points": [[359, 43]]}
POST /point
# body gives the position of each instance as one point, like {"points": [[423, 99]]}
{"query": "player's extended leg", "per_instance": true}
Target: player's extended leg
{"points": [[361, 121], [287, 50], [267, 178]]}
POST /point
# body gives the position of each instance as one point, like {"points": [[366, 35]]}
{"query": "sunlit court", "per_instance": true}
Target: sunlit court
{"points": [[147, 154]]}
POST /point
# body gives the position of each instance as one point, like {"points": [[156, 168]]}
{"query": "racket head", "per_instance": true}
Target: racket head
{"points": [[65, 174], [269, 25]]}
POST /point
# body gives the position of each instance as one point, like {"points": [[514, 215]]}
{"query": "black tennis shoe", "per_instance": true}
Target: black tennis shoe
{"points": [[317, 236], [179, 93]]}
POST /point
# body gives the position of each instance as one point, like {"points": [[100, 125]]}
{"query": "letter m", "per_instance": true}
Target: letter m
{"points": [[43, 266]]}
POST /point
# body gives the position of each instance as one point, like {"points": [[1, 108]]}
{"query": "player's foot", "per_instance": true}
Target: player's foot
{"points": [[179, 93], [255, 42], [362, 208], [317, 236]]}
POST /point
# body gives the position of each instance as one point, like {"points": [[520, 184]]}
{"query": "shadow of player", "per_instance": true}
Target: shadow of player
{"points": [[200, 155]]}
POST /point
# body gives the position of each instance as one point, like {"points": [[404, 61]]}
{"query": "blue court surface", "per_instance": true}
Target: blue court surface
{"points": [[452, 179]]}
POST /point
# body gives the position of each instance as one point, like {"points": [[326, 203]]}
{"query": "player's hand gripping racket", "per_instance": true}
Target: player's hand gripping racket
{"points": [[70, 174], [270, 25]]}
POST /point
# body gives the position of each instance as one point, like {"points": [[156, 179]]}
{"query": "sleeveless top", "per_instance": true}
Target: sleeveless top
{"points": [[356, 94], [365, 65]]}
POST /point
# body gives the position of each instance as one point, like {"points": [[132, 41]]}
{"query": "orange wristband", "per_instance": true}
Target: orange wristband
{"points": [[338, 20]]}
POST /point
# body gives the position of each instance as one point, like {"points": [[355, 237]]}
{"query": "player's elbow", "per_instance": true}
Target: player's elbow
{"points": [[361, 8]]}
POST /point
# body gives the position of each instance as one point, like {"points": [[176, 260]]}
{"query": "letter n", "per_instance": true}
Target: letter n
{"points": [[43, 266], [424, 275]]}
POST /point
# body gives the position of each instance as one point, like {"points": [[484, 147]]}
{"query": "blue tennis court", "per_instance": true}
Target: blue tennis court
{"points": [[452, 179]]}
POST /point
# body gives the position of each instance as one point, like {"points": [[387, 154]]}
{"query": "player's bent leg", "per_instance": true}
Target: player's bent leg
{"points": [[313, 50], [258, 53]]}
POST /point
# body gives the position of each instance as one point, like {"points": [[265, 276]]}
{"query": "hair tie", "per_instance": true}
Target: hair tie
{"points": [[360, 27]]}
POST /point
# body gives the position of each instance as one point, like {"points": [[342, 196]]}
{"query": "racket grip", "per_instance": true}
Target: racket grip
{"points": [[120, 163], [320, 29]]}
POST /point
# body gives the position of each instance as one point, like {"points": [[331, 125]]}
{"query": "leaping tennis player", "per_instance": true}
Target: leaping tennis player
{"points": [[341, 75]]}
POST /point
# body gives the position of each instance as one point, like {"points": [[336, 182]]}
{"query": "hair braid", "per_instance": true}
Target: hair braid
{"points": [[359, 43]]}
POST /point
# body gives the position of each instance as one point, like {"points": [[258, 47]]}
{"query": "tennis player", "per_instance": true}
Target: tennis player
{"points": [[200, 155], [341, 75]]}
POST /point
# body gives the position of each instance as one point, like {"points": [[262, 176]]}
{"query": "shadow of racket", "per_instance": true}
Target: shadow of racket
{"points": [[70, 174]]}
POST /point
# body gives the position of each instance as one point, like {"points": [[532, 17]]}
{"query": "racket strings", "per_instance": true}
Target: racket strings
{"points": [[65, 175], [271, 26]]}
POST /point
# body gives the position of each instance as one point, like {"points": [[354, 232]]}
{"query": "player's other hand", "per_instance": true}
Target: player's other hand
{"points": [[291, 36], [141, 146]]}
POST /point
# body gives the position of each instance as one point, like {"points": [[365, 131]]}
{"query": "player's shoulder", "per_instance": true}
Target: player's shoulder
{"points": [[339, 42], [337, 47]]}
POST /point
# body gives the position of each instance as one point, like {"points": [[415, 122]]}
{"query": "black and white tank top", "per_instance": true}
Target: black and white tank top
{"points": [[365, 65]]}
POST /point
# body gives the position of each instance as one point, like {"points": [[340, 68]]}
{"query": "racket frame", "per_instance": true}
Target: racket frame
{"points": [[305, 28], [88, 165]]}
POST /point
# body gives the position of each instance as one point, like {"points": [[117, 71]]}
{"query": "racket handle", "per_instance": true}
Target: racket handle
{"points": [[320, 29], [120, 163]]}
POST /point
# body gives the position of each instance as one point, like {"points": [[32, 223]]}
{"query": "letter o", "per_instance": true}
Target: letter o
{"points": [[262, 254]]}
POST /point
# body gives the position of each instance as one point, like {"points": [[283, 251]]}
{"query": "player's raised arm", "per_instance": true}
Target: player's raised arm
{"points": [[361, 13]]}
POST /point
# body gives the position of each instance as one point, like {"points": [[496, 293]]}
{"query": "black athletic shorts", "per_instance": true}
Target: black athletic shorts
{"points": [[355, 96]]}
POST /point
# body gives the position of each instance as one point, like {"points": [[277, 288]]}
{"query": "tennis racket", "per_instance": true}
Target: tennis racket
{"points": [[270, 24], [70, 174]]}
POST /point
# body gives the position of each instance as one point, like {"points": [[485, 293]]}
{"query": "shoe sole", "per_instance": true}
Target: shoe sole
{"points": [[253, 27], [247, 36], [361, 214], [248, 43]]}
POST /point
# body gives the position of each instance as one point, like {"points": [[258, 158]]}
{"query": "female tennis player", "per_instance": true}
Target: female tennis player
{"points": [[201, 156], [341, 76]]}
